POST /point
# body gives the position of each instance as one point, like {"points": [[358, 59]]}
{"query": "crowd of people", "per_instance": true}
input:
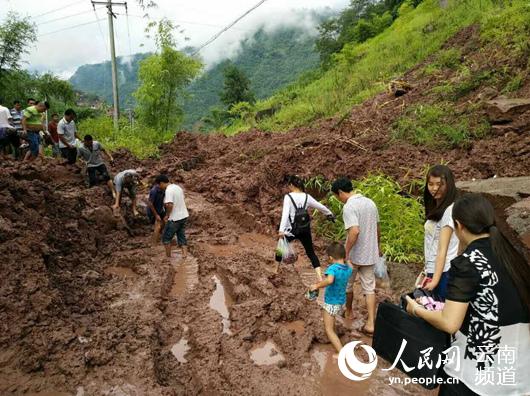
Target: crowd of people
{"points": [[481, 279], [24, 133]]}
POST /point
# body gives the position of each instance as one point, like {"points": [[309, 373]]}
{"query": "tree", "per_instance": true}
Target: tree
{"points": [[163, 77], [16, 34], [49, 86], [236, 87]]}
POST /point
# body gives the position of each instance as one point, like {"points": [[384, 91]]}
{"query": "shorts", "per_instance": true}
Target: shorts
{"points": [[175, 227], [151, 216], [131, 189], [33, 140], [93, 174], [333, 309], [69, 154], [367, 276]]}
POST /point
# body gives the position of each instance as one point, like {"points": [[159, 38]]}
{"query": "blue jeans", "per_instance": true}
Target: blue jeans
{"points": [[34, 142], [175, 227], [440, 291]]}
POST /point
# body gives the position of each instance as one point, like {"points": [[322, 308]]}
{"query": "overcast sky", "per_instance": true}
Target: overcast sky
{"points": [[70, 36]]}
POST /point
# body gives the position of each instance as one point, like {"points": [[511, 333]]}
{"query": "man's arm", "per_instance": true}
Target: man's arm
{"points": [[353, 234], [108, 155], [169, 208], [153, 210], [60, 133], [379, 239]]}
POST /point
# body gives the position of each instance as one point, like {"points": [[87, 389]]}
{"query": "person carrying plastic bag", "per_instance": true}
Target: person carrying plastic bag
{"points": [[296, 222]]}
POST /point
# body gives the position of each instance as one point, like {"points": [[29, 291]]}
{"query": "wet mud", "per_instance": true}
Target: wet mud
{"points": [[89, 306]]}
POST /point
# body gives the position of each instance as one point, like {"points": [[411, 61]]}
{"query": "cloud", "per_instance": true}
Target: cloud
{"points": [[70, 37]]}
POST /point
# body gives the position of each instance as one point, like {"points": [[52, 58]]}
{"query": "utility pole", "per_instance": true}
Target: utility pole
{"points": [[115, 97]]}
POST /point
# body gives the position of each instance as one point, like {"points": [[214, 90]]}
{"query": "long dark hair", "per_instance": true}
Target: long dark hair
{"points": [[476, 213], [296, 181], [434, 211]]}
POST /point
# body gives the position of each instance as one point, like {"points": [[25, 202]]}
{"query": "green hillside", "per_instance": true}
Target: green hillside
{"points": [[270, 60], [361, 70]]}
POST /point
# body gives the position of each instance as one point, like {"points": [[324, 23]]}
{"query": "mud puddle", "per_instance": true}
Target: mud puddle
{"points": [[180, 349], [220, 301], [186, 275], [266, 354]]}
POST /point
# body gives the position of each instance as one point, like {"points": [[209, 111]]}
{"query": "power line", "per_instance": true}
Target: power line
{"points": [[67, 28], [58, 9], [65, 17], [216, 36], [188, 22], [101, 31]]}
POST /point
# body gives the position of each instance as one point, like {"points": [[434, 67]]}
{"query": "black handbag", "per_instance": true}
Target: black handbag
{"points": [[393, 325]]}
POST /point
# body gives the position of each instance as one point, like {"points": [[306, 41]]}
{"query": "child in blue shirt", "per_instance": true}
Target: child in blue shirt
{"points": [[336, 281]]}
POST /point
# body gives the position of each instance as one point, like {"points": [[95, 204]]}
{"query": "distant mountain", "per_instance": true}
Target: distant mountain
{"points": [[97, 79], [269, 59]]}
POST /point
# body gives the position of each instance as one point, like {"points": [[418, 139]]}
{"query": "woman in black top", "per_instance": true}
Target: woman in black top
{"points": [[486, 308]]}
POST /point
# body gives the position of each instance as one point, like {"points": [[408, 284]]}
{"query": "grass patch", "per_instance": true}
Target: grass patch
{"points": [[437, 127], [142, 141], [515, 83]]}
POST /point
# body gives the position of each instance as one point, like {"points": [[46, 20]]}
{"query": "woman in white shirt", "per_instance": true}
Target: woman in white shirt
{"points": [[440, 243], [297, 198]]}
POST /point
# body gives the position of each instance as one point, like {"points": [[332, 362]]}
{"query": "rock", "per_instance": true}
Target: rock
{"points": [[399, 87], [487, 93], [504, 110], [510, 197]]}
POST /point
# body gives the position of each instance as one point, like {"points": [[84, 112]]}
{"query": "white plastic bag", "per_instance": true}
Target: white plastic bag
{"points": [[285, 252], [380, 268]]}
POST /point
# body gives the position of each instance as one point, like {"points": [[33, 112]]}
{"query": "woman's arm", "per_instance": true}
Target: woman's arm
{"points": [[450, 319], [441, 255], [285, 223], [313, 203]]}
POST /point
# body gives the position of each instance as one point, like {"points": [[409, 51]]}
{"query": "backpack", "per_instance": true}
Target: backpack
{"points": [[301, 221]]}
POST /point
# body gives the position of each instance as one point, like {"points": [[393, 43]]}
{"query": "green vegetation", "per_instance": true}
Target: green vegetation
{"points": [[141, 140], [436, 126], [401, 218], [361, 70], [270, 60], [16, 35], [236, 87], [163, 77], [358, 22]]}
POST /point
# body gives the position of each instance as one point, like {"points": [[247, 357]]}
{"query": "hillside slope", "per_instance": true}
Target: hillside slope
{"points": [[270, 60], [362, 70]]}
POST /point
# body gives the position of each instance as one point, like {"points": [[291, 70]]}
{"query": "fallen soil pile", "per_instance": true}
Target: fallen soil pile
{"points": [[88, 306]]}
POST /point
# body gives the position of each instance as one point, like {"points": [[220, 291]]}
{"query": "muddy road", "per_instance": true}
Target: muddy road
{"points": [[88, 309]]}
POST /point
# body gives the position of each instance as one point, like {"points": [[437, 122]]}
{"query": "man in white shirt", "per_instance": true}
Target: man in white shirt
{"points": [[67, 133], [361, 221], [176, 217], [6, 129]]}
